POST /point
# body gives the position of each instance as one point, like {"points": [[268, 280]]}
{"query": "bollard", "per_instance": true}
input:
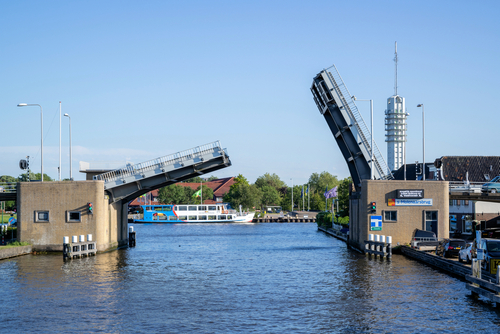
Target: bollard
{"points": [[131, 236]]}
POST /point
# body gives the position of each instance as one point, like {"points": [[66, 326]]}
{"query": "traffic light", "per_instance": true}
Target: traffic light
{"points": [[373, 207], [90, 207]]}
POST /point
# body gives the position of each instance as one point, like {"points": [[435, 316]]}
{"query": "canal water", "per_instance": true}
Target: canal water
{"points": [[235, 278]]}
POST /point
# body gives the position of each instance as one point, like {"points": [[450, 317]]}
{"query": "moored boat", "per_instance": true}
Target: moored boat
{"points": [[192, 213]]}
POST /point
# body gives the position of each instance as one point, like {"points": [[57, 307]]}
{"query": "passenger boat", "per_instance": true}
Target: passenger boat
{"points": [[192, 213]]}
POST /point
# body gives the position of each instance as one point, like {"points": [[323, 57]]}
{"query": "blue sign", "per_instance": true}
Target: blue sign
{"points": [[12, 220], [376, 223]]}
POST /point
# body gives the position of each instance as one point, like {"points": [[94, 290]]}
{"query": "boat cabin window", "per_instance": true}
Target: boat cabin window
{"points": [[202, 208], [182, 217], [202, 217], [172, 217], [212, 208], [222, 217], [193, 208], [182, 208], [158, 208], [212, 217], [148, 208], [192, 218]]}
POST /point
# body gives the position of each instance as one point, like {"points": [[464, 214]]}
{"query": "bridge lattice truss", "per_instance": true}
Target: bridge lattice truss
{"points": [[348, 127], [134, 180]]}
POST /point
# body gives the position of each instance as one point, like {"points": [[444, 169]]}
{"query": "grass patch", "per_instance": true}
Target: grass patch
{"points": [[6, 217], [15, 244]]}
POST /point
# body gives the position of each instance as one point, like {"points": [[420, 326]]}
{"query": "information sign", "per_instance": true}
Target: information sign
{"points": [[409, 202], [410, 193], [376, 223]]}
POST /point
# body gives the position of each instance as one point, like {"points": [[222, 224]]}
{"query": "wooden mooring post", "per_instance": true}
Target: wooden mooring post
{"points": [[77, 249], [379, 245], [131, 236]]}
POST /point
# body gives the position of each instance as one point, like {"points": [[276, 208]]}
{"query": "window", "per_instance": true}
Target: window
{"points": [[73, 216], [431, 221], [202, 217], [222, 217], [172, 217], [193, 208], [203, 208], [453, 223], [467, 222], [182, 217], [182, 208], [466, 202], [192, 218], [41, 216], [211, 208], [391, 216]]}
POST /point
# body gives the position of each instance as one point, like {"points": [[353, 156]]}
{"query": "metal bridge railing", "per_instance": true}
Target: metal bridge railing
{"points": [[158, 162], [8, 187], [352, 109]]}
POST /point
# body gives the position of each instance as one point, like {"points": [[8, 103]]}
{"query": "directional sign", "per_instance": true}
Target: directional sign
{"points": [[376, 223], [12, 220]]}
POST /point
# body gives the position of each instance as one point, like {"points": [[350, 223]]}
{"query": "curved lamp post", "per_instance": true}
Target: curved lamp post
{"points": [[41, 122], [423, 141], [70, 160]]}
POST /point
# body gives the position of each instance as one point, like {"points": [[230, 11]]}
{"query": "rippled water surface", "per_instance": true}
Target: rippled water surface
{"points": [[210, 278]]}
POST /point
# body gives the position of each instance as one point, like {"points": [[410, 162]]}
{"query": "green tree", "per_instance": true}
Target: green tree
{"points": [[206, 193], [319, 182], [211, 178], [272, 180], [33, 176], [343, 196], [173, 194], [7, 178], [241, 193], [270, 196]]}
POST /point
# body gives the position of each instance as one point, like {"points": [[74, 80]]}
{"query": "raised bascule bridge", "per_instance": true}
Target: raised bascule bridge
{"points": [[354, 139], [132, 181]]}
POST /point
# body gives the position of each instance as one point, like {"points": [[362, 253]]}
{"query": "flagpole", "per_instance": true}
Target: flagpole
{"points": [[308, 201], [303, 198]]}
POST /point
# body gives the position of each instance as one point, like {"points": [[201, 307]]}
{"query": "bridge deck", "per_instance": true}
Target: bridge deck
{"points": [[134, 180]]}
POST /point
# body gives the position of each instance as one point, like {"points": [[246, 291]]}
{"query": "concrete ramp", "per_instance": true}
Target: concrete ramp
{"points": [[348, 127], [135, 180]]}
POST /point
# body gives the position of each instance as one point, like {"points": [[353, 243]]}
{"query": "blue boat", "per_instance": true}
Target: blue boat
{"points": [[192, 213]]}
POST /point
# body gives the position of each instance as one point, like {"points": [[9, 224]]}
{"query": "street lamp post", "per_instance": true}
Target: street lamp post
{"points": [[41, 122], [423, 140], [371, 134], [70, 159]]}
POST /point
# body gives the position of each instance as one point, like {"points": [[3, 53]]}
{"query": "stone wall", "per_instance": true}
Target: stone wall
{"points": [[60, 198]]}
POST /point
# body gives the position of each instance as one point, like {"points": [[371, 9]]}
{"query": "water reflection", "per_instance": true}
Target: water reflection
{"points": [[236, 278]]}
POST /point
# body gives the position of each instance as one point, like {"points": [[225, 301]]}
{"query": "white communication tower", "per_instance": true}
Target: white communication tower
{"points": [[395, 124]]}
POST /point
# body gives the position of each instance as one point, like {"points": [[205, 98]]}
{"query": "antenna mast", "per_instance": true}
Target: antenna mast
{"points": [[396, 72]]}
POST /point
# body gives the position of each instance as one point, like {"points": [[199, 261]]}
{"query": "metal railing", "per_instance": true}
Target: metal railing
{"points": [[352, 109], [159, 162], [465, 186], [8, 187]]}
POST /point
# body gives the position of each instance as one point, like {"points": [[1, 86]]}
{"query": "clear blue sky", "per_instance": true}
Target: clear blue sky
{"points": [[143, 79]]}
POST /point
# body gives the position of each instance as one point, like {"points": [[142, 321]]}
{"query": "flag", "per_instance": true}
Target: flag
{"points": [[197, 194], [302, 192], [331, 193]]}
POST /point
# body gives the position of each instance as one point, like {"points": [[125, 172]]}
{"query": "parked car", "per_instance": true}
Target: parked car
{"points": [[465, 254], [493, 186], [491, 254], [421, 239], [450, 247]]}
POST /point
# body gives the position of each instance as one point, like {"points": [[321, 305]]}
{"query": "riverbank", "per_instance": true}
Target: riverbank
{"points": [[8, 252]]}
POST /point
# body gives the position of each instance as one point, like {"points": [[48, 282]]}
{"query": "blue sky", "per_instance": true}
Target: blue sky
{"points": [[143, 79]]}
